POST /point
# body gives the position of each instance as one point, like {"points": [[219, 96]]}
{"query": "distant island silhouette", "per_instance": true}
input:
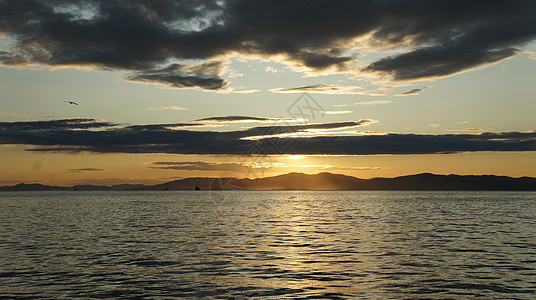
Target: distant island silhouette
{"points": [[321, 181]]}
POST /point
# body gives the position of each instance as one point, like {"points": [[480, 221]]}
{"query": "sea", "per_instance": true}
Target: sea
{"points": [[267, 245]]}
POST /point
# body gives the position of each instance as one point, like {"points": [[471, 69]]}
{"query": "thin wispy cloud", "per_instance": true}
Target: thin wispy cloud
{"points": [[470, 129], [198, 166], [338, 112], [532, 54], [412, 92], [336, 168], [322, 89], [4, 113], [239, 90], [231, 73], [204, 166], [434, 125], [374, 102], [158, 127], [173, 107], [84, 170], [247, 119], [270, 70], [168, 107]]}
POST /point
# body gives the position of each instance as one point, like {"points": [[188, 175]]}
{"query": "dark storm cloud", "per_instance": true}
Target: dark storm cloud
{"points": [[436, 38], [160, 139], [154, 138], [455, 36]]}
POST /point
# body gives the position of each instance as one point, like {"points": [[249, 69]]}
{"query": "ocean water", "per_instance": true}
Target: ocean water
{"points": [[279, 245]]}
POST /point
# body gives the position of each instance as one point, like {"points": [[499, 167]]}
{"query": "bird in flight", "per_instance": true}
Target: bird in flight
{"points": [[72, 102]]}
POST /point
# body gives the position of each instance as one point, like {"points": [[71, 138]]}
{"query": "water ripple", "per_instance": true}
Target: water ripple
{"points": [[292, 245]]}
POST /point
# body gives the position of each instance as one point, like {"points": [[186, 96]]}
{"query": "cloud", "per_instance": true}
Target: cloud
{"points": [[84, 170], [434, 125], [173, 107], [233, 73], [429, 39], [162, 138], [77, 123], [301, 131], [4, 113], [337, 112], [470, 129], [416, 143], [169, 126], [425, 64], [412, 92], [270, 70], [240, 90], [375, 102], [335, 168], [204, 76], [11, 59], [198, 166], [322, 89], [244, 119], [168, 107], [360, 168]]}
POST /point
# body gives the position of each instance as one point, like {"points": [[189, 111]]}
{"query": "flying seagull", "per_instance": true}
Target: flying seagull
{"points": [[72, 102]]}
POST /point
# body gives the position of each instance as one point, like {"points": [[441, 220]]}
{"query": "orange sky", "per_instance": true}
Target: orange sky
{"points": [[107, 169]]}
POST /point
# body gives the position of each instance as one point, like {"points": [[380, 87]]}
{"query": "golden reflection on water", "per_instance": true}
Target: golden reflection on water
{"points": [[269, 245]]}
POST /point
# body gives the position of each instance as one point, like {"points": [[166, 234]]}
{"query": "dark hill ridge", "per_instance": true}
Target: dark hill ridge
{"points": [[321, 181]]}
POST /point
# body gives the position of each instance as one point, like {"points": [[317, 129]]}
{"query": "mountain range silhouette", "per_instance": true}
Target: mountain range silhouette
{"points": [[321, 181]]}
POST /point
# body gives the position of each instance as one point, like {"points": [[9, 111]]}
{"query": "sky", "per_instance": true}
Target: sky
{"points": [[111, 91]]}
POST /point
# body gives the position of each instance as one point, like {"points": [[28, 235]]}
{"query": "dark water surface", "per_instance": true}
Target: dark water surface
{"points": [[291, 244]]}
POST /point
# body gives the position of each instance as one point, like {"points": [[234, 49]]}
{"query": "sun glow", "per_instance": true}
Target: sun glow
{"points": [[296, 157]]}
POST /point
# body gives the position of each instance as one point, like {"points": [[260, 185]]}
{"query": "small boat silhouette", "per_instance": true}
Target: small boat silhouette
{"points": [[197, 188]]}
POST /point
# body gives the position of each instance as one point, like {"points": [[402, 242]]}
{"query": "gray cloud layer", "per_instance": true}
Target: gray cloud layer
{"points": [[159, 139], [440, 37]]}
